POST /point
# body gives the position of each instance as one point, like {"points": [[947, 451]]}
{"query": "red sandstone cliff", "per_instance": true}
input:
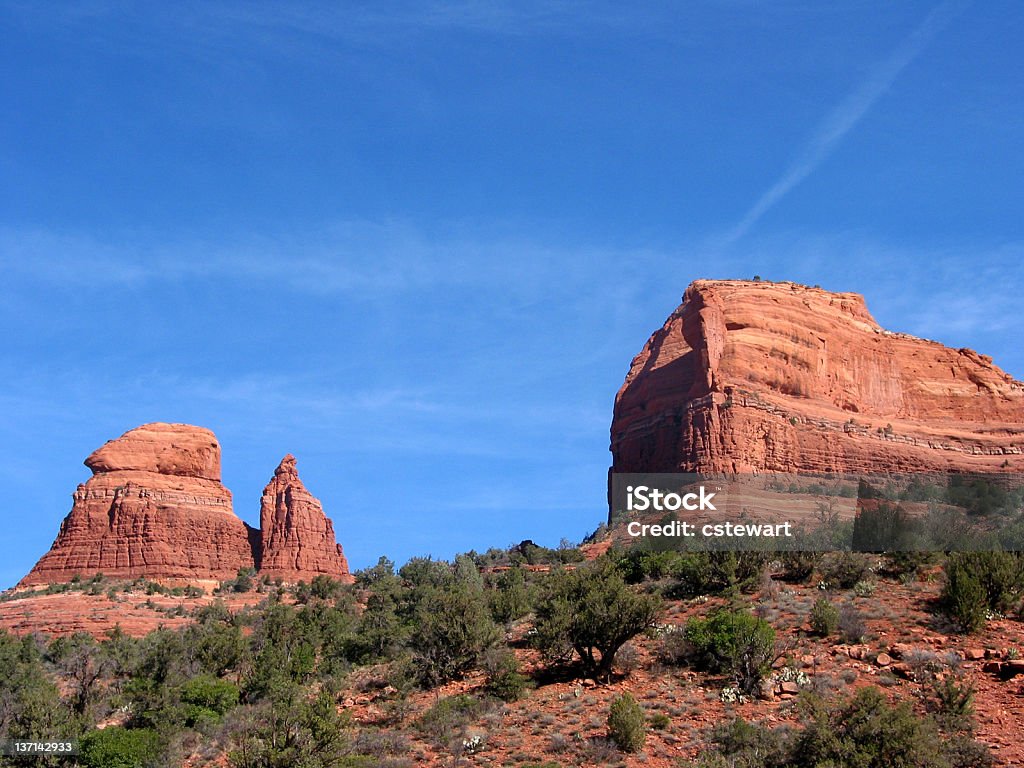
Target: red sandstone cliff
{"points": [[750, 376], [154, 507], [298, 539]]}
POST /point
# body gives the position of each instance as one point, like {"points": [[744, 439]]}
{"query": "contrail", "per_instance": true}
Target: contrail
{"points": [[846, 114]]}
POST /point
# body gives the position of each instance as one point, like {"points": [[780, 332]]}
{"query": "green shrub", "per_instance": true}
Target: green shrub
{"points": [[207, 698], [591, 612], [660, 721], [880, 527], [798, 565], [900, 563], [864, 588], [116, 747], [992, 579], [712, 573], [448, 716], [734, 642], [324, 587], [844, 569], [626, 724], [504, 679], [864, 731], [868, 731], [953, 703], [452, 629], [290, 729], [751, 745], [824, 617], [963, 597], [243, 581], [512, 597]]}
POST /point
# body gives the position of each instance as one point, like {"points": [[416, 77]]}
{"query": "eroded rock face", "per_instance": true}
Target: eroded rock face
{"points": [[297, 537], [154, 507], [167, 449], [749, 376]]}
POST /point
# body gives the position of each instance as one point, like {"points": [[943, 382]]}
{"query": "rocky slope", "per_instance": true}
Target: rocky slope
{"points": [[297, 538], [155, 507], [753, 376]]}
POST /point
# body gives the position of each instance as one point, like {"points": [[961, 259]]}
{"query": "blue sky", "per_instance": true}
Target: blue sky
{"points": [[417, 245]]}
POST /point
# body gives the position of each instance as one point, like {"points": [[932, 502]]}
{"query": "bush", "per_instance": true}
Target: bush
{"points": [[324, 587], [289, 729], [864, 588], [626, 724], [734, 642], [207, 698], [448, 716], [504, 679], [868, 731], [824, 617], [851, 626], [880, 527], [242, 582], [953, 703], [798, 565], [452, 630], [674, 648], [660, 721], [844, 569], [900, 563], [864, 731], [116, 747], [749, 744], [591, 612], [963, 598], [710, 573], [978, 582], [512, 597]]}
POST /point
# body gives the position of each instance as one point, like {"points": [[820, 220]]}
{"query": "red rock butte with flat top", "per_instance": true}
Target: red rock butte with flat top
{"points": [[755, 376], [155, 508]]}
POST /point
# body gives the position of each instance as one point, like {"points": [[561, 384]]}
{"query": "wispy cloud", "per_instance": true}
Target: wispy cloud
{"points": [[263, 26], [837, 124], [353, 258]]}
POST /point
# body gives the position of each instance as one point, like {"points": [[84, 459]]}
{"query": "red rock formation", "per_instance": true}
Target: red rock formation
{"points": [[750, 376], [155, 507], [298, 539]]}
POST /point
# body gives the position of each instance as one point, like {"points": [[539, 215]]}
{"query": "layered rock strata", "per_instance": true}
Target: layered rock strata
{"points": [[155, 507], [751, 376], [298, 539]]}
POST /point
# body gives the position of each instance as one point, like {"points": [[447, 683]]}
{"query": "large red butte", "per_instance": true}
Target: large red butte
{"points": [[754, 376]]}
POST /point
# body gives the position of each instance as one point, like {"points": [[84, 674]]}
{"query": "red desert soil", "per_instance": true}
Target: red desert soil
{"points": [[554, 721], [136, 613]]}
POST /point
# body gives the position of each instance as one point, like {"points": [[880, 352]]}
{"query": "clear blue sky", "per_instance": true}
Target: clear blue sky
{"points": [[417, 245]]}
